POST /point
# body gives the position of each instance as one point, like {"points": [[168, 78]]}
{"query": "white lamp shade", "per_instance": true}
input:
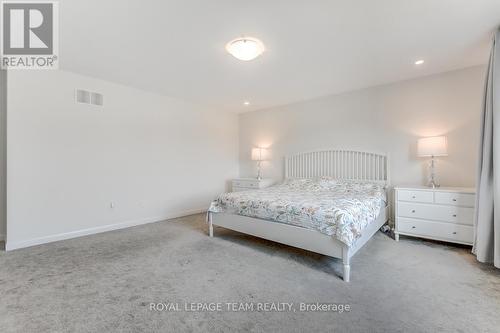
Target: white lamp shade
{"points": [[259, 154], [433, 146]]}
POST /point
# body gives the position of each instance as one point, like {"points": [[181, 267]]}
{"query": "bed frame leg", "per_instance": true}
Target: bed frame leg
{"points": [[347, 270], [210, 226], [346, 261]]}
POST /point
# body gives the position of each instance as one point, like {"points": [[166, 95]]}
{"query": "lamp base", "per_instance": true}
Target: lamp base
{"points": [[432, 181], [433, 184], [259, 177]]}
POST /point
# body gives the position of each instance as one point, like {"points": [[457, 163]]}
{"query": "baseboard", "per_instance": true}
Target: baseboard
{"points": [[9, 246]]}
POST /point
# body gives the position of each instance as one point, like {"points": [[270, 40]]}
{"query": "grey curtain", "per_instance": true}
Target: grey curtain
{"points": [[487, 216]]}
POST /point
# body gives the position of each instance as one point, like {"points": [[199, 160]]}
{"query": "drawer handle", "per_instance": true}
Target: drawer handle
{"points": [[413, 197], [454, 199], [413, 227], [454, 215], [413, 210], [454, 232]]}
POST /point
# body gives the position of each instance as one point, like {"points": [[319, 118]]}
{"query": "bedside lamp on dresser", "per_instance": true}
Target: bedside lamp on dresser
{"points": [[244, 184], [432, 147], [434, 212], [259, 155]]}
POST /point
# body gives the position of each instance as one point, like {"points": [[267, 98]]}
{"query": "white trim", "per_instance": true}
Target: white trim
{"points": [[467, 190], [95, 230], [441, 239]]}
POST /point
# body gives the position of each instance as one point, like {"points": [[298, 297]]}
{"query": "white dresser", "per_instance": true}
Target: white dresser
{"points": [[245, 184], [444, 213]]}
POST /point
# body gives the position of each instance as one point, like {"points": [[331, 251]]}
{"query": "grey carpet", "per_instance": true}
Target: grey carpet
{"points": [[105, 283]]}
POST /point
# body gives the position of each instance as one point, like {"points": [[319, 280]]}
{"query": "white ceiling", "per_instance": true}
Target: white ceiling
{"points": [[313, 48]]}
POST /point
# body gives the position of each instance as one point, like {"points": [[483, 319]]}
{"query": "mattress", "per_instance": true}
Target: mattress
{"points": [[338, 208]]}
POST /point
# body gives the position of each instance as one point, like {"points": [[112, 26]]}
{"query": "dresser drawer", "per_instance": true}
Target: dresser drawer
{"points": [[416, 196], [239, 189], [454, 214], [437, 230], [246, 183], [456, 199]]}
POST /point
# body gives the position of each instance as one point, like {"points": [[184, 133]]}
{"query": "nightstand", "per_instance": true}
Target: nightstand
{"points": [[245, 184], [443, 213]]}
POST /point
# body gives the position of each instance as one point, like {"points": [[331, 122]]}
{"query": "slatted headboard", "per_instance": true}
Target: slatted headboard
{"points": [[340, 164]]}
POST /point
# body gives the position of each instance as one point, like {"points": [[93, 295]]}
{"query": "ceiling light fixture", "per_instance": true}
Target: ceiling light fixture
{"points": [[245, 48], [419, 62], [246, 103]]}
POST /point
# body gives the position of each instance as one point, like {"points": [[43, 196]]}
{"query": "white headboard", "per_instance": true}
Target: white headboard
{"points": [[340, 164]]}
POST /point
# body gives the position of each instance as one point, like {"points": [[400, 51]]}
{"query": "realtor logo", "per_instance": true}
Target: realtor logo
{"points": [[29, 35]]}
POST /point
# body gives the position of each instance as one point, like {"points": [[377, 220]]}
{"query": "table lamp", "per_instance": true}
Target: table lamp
{"points": [[259, 155], [432, 147]]}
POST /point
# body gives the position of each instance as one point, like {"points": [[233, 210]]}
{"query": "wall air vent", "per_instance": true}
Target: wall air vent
{"points": [[89, 97], [96, 99], [82, 96]]}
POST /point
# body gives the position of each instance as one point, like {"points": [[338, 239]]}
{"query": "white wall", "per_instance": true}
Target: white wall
{"points": [[3, 146], [152, 156], [155, 157], [388, 118]]}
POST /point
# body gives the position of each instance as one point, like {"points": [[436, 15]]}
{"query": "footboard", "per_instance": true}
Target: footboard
{"points": [[287, 234], [302, 238]]}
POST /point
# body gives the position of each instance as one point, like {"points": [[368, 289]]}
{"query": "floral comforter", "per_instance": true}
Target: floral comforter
{"points": [[339, 208]]}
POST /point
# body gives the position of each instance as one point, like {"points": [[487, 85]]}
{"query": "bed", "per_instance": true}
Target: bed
{"points": [[331, 202]]}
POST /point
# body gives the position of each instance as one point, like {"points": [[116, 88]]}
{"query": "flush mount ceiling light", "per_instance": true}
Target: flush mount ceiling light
{"points": [[419, 62], [246, 103], [245, 48]]}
